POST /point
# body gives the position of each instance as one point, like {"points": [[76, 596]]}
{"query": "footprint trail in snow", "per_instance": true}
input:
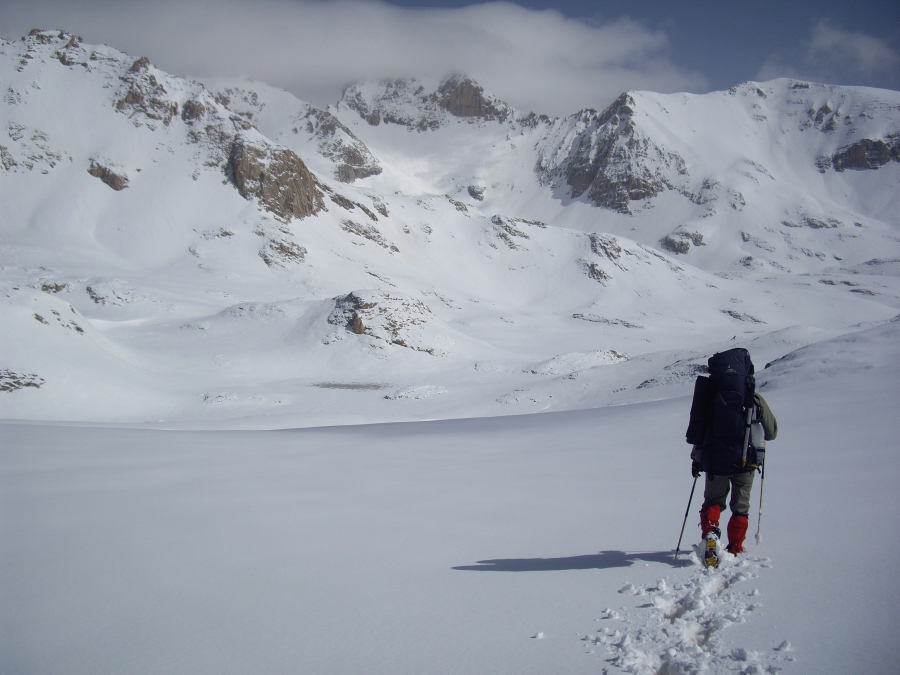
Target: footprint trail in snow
{"points": [[682, 629]]}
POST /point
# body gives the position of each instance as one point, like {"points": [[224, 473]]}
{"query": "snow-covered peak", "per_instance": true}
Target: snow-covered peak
{"points": [[424, 103], [647, 143]]}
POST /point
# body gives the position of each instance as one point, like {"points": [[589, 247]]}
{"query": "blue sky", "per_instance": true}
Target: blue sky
{"points": [[550, 57]]}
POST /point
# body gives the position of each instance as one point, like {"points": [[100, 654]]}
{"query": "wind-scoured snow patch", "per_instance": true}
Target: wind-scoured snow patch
{"points": [[594, 318], [576, 361], [10, 381], [112, 292], [425, 391], [877, 347], [680, 630]]}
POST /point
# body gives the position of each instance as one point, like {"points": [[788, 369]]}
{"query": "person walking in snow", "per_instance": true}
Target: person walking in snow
{"points": [[730, 423]]}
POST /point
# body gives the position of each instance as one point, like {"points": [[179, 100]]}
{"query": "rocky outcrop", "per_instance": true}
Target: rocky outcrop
{"points": [[192, 109], [275, 176], [867, 154], [13, 381], [336, 142], [680, 242], [281, 253], [463, 97], [504, 229], [421, 107], [368, 232], [476, 192], [389, 319], [146, 96], [607, 158], [117, 181]]}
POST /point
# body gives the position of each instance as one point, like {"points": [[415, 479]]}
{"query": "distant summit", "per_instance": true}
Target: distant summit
{"points": [[424, 104], [645, 144]]}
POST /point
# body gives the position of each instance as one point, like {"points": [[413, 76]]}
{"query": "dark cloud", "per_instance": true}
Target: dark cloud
{"points": [[535, 60]]}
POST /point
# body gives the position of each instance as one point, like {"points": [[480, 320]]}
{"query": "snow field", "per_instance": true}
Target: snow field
{"points": [[443, 547]]}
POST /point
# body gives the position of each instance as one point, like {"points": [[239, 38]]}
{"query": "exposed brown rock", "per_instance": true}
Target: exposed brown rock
{"points": [[275, 176], [141, 64], [339, 144], [12, 381], [54, 287], [675, 244], [42, 36], [280, 253], [343, 202], [115, 180], [192, 109], [476, 192], [465, 98], [368, 232], [457, 204], [146, 96], [357, 325], [595, 272], [867, 154]]}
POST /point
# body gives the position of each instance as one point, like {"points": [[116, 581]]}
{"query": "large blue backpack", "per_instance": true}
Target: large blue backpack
{"points": [[721, 413]]}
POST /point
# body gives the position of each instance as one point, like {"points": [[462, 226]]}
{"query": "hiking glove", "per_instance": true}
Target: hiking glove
{"points": [[696, 469]]}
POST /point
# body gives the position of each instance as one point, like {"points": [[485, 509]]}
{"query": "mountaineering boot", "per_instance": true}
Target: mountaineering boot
{"points": [[711, 554], [709, 519], [737, 532]]}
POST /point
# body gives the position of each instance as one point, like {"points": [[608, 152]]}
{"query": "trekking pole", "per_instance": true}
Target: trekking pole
{"points": [[686, 511], [762, 484]]}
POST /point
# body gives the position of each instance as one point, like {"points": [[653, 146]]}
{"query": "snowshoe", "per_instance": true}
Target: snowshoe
{"points": [[711, 554]]}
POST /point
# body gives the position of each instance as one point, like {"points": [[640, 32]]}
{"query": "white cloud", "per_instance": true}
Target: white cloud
{"points": [[835, 56], [535, 60], [863, 53]]}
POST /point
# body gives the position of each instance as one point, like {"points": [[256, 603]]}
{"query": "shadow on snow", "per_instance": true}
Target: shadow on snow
{"points": [[602, 560]]}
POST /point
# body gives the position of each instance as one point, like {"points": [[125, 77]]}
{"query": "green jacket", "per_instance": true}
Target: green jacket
{"points": [[770, 424]]}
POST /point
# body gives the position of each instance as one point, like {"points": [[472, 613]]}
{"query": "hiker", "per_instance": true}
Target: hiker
{"points": [[730, 423]]}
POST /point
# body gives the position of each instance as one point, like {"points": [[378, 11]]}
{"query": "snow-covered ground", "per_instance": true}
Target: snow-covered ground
{"points": [[518, 544]]}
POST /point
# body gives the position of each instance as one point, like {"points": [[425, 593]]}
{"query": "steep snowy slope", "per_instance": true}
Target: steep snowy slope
{"points": [[177, 253]]}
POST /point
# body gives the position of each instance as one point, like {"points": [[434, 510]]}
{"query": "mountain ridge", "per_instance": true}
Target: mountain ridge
{"points": [[225, 251]]}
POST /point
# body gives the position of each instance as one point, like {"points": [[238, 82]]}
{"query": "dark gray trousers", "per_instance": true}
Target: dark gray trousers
{"points": [[716, 492]]}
